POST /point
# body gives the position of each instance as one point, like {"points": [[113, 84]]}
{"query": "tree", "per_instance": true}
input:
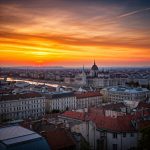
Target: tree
{"points": [[55, 111], [84, 145], [144, 143], [67, 108]]}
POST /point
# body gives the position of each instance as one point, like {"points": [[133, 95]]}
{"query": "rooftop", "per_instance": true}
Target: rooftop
{"points": [[114, 106], [87, 94], [13, 132], [73, 115], [117, 124], [142, 105], [59, 139], [17, 137], [19, 96], [60, 95], [126, 89]]}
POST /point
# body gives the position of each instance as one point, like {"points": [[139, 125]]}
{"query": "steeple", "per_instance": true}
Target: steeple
{"points": [[94, 67], [94, 70], [83, 71], [83, 76], [94, 61]]}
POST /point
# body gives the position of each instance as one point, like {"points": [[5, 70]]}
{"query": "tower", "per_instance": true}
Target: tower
{"points": [[94, 70], [83, 76]]}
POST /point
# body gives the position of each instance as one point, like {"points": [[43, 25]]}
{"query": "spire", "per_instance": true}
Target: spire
{"points": [[94, 67], [83, 69]]}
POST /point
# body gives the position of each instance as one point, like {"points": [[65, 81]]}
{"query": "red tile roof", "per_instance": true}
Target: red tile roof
{"points": [[87, 94], [119, 124], [97, 110], [143, 105], [8, 91], [73, 115], [59, 139], [116, 106]]}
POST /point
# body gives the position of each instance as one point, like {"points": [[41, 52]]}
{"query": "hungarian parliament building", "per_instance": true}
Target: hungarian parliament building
{"points": [[97, 79]]}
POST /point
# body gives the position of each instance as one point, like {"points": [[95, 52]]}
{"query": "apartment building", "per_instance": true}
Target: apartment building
{"points": [[120, 93], [106, 132], [60, 101], [88, 99], [20, 106]]}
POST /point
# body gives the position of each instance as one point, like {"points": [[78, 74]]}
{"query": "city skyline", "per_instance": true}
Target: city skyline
{"points": [[73, 33]]}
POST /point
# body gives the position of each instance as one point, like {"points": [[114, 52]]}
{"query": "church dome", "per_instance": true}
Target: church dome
{"points": [[94, 67]]}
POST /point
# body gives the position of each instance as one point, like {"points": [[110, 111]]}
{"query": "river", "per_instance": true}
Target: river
{"points": [[35, 82]]}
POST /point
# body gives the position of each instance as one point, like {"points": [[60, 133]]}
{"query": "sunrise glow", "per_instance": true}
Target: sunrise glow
{"points": [[62, 33]]}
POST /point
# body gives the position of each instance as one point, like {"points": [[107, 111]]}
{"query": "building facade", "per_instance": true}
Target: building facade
{"points": [[103, 133], [88, 99], [119, 93], [97, 78], [60, 101], [20, 106], [101, 82]]}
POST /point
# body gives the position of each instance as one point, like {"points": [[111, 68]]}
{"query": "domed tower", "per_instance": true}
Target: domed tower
{"points": [[94, 70]]}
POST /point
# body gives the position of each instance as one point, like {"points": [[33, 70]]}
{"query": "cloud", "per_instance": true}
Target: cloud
{"points": [[64, 31], [51, 40], [133, 12]]}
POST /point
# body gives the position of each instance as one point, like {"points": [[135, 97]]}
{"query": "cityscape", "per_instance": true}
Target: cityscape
{"points": [[74, 75]]}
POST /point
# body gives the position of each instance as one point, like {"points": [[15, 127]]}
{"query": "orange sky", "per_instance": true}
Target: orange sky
{"points": [[64, 36]]}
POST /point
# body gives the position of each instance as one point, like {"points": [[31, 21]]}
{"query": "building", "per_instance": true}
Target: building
{"points": [[109, 127], [69, 80], [60, 139], [97, 78], [88, 99], [94, 70], [19, 138], [20, 106], [120, 93], [60, 101], [106, 132], [81, 79], [106, 81], [140, 78], [113, 109]]}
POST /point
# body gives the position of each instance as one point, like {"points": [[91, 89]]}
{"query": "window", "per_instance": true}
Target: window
{"points": [[114, 146], [132, 134], [98, 144], [115, 135], [124, 134]]}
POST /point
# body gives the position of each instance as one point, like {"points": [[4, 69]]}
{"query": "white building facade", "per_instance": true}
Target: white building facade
{"points": [[88, 99], [21, 106], [102, 82], [101, 135], [61, 101], [118, 93]]}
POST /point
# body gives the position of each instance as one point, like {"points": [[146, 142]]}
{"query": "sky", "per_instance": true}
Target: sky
{"points": [[73, 33]]}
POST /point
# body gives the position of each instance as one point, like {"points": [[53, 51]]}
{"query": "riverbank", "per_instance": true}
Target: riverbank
{"points": [[43, 82]]}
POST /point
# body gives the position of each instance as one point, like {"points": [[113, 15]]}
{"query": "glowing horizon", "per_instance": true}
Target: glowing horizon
{"points": [[62, 33]]}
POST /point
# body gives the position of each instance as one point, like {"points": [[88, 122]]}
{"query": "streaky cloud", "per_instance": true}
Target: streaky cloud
{"points": [[133, 12]]}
